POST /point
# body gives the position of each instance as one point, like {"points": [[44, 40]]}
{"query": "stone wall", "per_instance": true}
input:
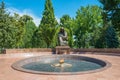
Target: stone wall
{"points": [[106, 50], [29, 50], [34, 50]]}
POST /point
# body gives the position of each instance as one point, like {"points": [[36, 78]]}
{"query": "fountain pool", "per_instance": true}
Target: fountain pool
{"points": [[71, 64]]}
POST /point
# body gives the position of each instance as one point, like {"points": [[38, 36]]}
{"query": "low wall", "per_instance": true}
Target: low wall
{"points": [[31, 50], [106, 50], [34, 50]]}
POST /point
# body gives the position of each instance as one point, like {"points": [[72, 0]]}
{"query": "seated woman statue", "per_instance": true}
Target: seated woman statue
{"points": [[62, 37]]}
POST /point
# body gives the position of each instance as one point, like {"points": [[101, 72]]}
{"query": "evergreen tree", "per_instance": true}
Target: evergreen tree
{"points": [[100, 42], [111, 12], [48, 24], [20, 30], [116, 20], [111, 38], [30, 27], [7, 29], [37, 40]]}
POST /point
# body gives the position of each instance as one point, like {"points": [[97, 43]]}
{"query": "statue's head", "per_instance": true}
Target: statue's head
{"points": [[61, 29]]}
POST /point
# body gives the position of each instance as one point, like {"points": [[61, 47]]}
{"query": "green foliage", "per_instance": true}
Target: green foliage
{"points": [[109, 4], [48, 24], [9, 31], [89, 29], [64, 20], [88, 25], [108, 39], [37, 40], [116, 20], [111, 38], [30, 27], [111, 12], [19, 24], [26, 18], [100, 42]]}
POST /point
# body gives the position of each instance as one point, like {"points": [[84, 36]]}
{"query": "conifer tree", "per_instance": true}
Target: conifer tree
{"points": [[111, 38], [48, 24], [30, 27], [11, 29], [7, 31]]}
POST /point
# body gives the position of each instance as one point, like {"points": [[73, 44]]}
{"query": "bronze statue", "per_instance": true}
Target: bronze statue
{"points": [[62, 37]]}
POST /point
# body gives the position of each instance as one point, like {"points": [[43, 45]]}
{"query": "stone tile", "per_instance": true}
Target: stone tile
{"points": [[7, 73]]}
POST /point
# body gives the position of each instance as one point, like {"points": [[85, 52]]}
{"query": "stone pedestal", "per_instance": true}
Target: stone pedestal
{"points": [[62, 50]]}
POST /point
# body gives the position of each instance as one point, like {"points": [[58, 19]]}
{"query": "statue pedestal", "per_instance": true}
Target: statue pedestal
{"points": [[62, 50]]}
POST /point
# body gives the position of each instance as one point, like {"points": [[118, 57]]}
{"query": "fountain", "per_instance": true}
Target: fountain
{"points": [[60, 64]]}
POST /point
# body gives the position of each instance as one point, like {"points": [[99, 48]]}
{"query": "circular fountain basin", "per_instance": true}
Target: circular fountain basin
{"points": [[42, 64]]}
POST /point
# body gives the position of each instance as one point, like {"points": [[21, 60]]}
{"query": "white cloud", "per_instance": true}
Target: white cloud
{"points": [[36, 19], [58, 19]]}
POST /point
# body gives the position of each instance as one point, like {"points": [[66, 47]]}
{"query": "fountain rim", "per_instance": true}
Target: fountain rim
{"points": [[15, 66]]}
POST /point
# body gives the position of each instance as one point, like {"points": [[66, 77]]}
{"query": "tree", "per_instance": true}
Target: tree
{"points": [[30, 27], [88, 24], [48, 25], [112, 10], [37, 40], [20, 26], [26, 18], [111, 13], [64, 20], [116, 20], [8, 31], [111, 38]]}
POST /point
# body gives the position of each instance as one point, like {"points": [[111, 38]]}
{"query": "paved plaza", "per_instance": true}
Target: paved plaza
{"points": [[8, 73]]}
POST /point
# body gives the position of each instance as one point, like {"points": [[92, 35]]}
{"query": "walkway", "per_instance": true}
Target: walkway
{"points": [[7, 73]]}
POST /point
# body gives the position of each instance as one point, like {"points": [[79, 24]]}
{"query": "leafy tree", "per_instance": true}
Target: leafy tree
{"points": [[48, 25], [64, 20], [88, 24]]}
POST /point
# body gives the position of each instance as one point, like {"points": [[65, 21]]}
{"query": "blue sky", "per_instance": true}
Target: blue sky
{"points": [[35, 8]]}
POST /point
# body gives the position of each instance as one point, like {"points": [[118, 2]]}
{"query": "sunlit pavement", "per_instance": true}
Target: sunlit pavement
{"points": [[8, 73]]}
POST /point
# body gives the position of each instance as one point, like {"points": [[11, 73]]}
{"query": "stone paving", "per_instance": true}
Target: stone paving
{"points": [[8, 73]]}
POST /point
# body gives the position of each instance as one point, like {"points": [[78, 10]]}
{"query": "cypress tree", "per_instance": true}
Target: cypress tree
{"points": [[48, 24], [48, 19]]}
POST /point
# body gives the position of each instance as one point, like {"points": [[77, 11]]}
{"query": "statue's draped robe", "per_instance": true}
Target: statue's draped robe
{"points": [[62, 38]]}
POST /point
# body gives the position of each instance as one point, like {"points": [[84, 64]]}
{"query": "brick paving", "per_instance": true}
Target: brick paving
{"points": [[7, 73]]}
